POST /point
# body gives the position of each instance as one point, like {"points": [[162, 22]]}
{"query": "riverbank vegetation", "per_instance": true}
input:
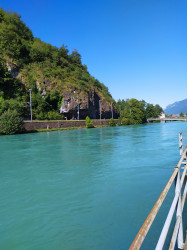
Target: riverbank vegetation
{"points": [[112, 123], [133, 111], [11, 123], [89, 123]]}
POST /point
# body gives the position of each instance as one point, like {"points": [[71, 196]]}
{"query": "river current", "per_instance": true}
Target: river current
{"points": [[86, 188]]}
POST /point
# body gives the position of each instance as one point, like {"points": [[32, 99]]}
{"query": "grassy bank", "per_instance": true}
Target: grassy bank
{"points": [[61, 129]]}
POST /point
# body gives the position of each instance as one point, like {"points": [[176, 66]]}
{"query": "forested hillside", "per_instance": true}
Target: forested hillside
{"points": [[58, 79]]}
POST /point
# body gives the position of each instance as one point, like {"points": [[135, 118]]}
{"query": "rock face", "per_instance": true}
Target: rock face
{"points": [[79, 105], [13, 69]]}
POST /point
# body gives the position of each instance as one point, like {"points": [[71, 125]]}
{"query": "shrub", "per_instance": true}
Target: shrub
{"points": [[54, 115], [89, 123], [11, 123], [40, 116], [119, 121], [112, 122], [125, 121]]}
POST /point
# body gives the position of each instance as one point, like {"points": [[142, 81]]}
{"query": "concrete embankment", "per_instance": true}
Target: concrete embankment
{"points": [[34, 125]]}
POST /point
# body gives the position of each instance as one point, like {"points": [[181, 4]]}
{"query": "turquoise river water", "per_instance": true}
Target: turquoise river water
{"points": [[86, 188]]}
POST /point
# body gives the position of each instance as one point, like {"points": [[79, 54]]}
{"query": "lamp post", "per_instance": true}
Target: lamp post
{"points": [[112, 110], [30, 103], [78, 109], [120, 113], [100, 109]]}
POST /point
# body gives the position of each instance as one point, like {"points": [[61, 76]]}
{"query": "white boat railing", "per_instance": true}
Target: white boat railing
{"points": [[177, 205]]}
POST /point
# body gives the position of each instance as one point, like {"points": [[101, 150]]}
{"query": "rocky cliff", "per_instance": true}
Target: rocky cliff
{"points": [[79, 105]]}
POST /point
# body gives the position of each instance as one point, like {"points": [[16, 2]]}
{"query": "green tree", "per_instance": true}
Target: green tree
{"points": [[158, 110], [125, 121], [75, 57], [150, 111], [136, 112], [181, 114], [54, 98], [40, 51], [54, 115], [16, 36], [153, 111], [13, 104], [11, 123], [9, 86], [112, 122], [132, 111], [89, 123]]}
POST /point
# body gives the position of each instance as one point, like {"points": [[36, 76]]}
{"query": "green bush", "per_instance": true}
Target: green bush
{"points": [[125, 121], [40, 116], [112, 122], [51, 115], [54, 115], [119, 121], [11, 123], [89, 123]]}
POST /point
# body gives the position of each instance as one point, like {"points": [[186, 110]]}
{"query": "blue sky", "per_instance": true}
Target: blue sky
{"points": [[137, 48]]}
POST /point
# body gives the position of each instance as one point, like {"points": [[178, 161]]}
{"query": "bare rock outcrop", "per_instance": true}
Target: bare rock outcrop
{"points": [[82, 104]]}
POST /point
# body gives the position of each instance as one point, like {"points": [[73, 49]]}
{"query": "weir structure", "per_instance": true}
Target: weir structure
{"points": [[178, 176]]}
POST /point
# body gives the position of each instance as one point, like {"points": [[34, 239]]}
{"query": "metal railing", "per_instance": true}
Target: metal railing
{"points": [[177, 205], [181, 144]]}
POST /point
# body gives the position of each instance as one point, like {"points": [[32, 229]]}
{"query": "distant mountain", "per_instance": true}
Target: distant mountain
{"points": [[177, 107]]}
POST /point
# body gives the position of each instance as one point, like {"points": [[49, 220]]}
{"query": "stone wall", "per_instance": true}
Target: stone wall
{"points": [[60, 124]]}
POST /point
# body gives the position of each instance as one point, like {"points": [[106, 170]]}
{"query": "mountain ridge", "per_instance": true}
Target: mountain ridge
{"points": [[176, 107]]}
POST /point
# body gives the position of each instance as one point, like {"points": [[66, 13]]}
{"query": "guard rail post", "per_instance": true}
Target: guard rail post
{"points": [[180, 143]]}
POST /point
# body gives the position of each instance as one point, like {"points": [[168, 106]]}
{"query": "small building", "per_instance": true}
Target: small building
{"points": [[162, 115], [172, 116]]}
